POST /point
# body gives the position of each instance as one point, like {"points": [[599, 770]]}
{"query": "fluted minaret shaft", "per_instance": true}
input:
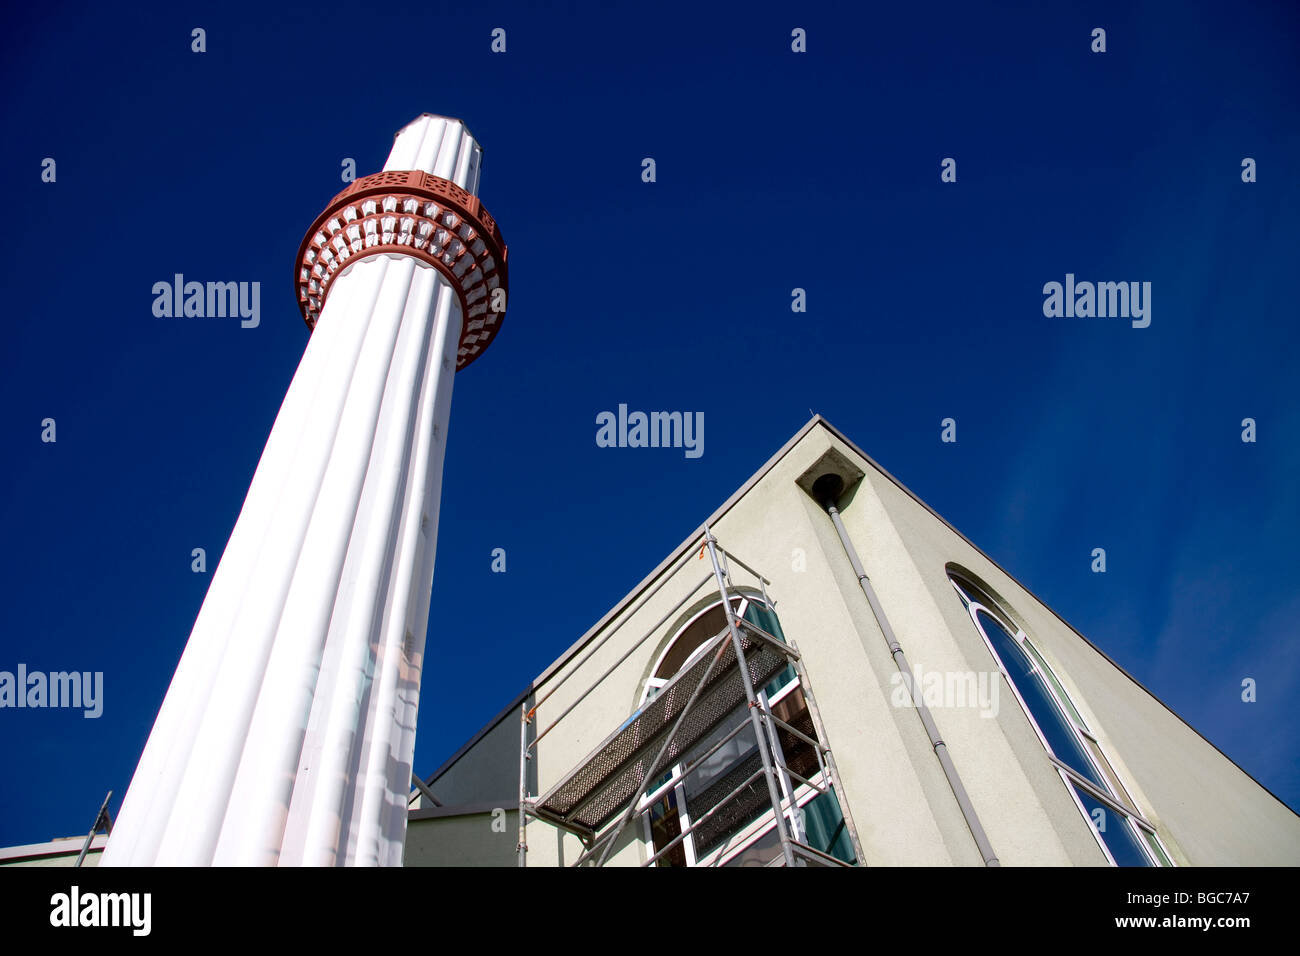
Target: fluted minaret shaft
{"points": [[287, 734]]}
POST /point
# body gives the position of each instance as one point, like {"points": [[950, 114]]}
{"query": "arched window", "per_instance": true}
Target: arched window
{"points": [[740, 830], [1124, 835]]}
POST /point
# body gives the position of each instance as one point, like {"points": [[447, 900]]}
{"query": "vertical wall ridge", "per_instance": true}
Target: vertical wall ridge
{"points": [[265, 776], [229, 725], [355, 624], [410, 591]]}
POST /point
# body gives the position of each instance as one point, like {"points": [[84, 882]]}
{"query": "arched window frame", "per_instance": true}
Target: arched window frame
{"points": [[764, 824], [1116, 796]]}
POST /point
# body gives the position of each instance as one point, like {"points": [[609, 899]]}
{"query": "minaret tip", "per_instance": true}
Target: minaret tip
{"points": [[429, 116]]}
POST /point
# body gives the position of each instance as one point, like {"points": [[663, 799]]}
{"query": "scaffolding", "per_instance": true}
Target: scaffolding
{"points": [[597, 799]]}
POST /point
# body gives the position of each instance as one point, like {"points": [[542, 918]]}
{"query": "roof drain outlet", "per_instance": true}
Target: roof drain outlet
{"points": [[826, 490]]}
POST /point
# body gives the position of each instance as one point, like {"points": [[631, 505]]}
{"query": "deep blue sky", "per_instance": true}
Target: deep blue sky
{"points": [[775, 170]]}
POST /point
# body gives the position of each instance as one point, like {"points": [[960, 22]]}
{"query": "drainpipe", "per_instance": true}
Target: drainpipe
{"points": [[827, 491]]}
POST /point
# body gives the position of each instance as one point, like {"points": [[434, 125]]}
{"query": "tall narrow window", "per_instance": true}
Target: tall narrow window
{"points": [[738, 828], [1125, 836]]}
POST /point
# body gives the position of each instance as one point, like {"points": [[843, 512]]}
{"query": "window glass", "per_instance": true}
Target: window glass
{"points": [[721, 760], [1056, 684], [1115, 831], [665, 824], [1066, 735], [825, 827], [800, 756], [826, 831], [1155, 846], [765, 851], [1061, 738], [663, 779], [764, 617], [1100, 760], [700, 631]]}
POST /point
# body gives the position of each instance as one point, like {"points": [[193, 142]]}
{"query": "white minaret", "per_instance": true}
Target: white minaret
{"points": [[287, 734]]}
